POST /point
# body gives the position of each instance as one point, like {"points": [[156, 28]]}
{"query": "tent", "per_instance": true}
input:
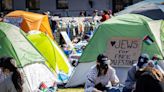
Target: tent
{"points": [[146, 8], [14, 43], [56, 59], [32, 21], [122, 38]]}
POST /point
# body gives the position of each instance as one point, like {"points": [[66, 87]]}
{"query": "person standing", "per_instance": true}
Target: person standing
{"points": [[95, 17], [105, 16]]}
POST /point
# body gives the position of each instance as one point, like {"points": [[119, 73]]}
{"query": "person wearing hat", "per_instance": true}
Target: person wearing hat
{"points": [[101, 76], [131, 80]]}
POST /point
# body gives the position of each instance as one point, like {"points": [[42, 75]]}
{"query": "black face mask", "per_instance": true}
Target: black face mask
{"points": [[102, 66]]}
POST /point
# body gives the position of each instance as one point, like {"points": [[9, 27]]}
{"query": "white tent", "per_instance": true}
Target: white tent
{"points": [[149, 8]]}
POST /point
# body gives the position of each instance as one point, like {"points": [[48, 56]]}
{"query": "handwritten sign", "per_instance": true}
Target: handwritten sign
{"points": [[124, 52]]}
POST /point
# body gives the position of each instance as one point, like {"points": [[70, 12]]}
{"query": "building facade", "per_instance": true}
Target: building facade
{"points": [[64, 7]]}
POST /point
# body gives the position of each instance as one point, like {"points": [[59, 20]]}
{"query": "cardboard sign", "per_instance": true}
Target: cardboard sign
{"points": [[67, 40], [124, 52]]}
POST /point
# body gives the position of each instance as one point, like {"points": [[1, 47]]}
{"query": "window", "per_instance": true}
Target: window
{"points": [[7, 5], [62, 4], [33, 4]]}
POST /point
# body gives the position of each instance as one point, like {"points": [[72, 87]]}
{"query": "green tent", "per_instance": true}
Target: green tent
{"points": [[130, 26], [14, 43], [122, 38], [56, 59]]}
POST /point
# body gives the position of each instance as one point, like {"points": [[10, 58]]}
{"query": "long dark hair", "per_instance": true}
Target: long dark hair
{"points": [[100, 68], [101, 59], [149, 80], [8, 63]]}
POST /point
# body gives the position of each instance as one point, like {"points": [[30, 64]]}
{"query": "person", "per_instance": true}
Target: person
{"points": [[105, 15], [102, 76], [13, 81], [149, 79], [86, 38], [131, 80], [48, 13], [82, 14], [95, 17], [155, 62], [54, 26], [1, 16]]}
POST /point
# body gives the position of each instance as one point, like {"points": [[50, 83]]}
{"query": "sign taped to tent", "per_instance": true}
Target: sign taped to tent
{"points": [[124, 52]]}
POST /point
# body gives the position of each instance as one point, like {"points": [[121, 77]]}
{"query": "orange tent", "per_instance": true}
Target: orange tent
{"points": [[32, 21]]}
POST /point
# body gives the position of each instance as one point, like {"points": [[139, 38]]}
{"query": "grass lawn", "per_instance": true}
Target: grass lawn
{"points": [[70, 90]]}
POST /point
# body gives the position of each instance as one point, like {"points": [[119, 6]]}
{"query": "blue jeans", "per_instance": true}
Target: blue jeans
{"points": [[126, 90]]}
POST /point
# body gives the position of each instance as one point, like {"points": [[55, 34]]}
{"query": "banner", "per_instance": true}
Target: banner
{"points": [[124, 52]]}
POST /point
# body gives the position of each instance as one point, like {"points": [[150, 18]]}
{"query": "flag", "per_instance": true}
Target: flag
{"points": [[148, 40]]}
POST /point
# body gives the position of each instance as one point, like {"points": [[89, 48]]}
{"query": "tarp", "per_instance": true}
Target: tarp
{"points": [[32, 21], [14, 43], [125, 33]]}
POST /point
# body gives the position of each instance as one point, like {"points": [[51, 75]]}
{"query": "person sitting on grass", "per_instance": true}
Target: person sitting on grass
{"points": [[131, 80], [102, 76]]}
